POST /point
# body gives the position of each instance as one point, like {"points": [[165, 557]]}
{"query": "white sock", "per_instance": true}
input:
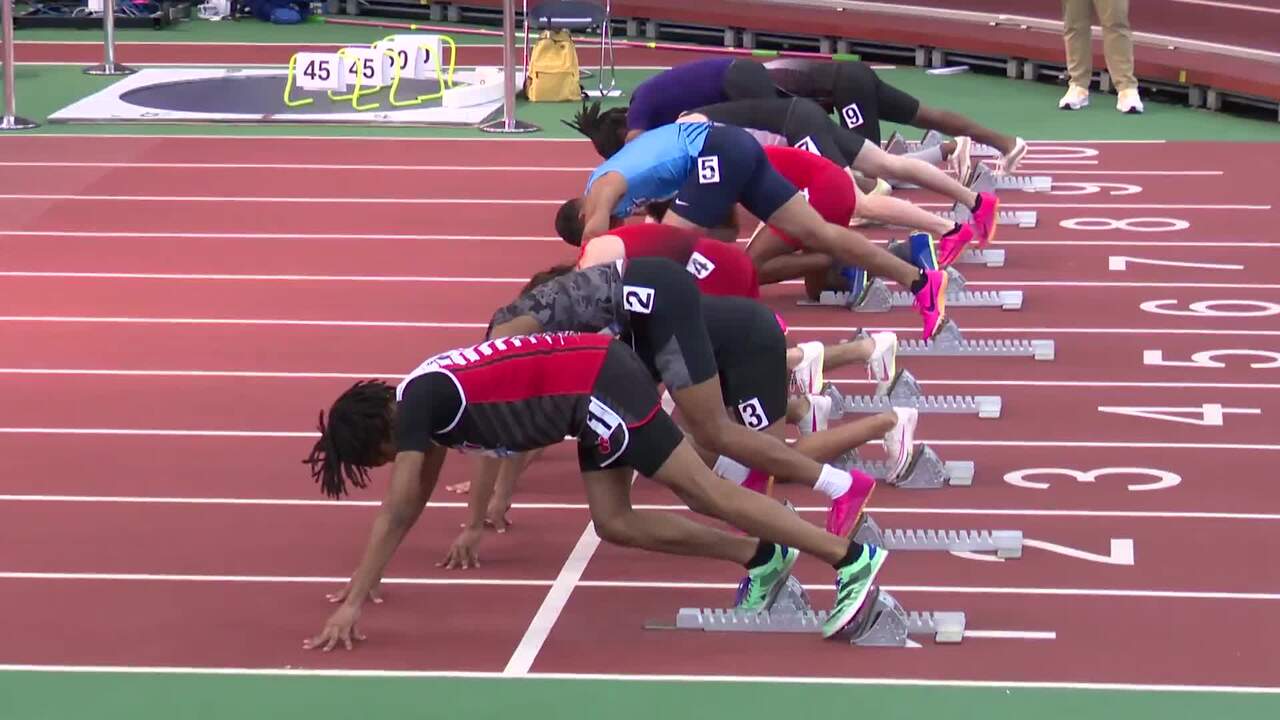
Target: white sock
{"points": [[833, 482], [730, 469]]}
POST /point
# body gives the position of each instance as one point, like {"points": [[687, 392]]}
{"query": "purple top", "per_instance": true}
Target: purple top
{"points": [[659, 100]]}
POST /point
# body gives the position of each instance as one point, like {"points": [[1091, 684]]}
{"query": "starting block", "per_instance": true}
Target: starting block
{"points": [[950, 343], [1004, 543], [925, 470], [881, 622], [1020, 218], [986, 256], [981, 179], [877, 297], [905, 392], [931, 138]]}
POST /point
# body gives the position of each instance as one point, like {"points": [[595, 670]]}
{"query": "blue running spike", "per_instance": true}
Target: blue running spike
{"points": [[924, 253]]}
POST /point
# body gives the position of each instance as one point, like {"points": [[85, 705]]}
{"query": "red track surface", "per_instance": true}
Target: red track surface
{"points": [[392, 287]]}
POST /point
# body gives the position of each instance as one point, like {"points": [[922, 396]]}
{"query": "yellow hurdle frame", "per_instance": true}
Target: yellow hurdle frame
{"points": [[357, 92], [445, 79]]}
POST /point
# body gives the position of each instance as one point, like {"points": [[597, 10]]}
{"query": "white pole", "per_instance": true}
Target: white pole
{"points": [[509, 123], [109, 66], [10, 120]]}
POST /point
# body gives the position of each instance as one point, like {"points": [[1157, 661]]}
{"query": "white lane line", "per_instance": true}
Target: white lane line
{"points": [[179, 235], [479, 326], [578, 507], [636, 584], [153, 139], [438, 168], [274, 579], [581, 506], [599, 677], [157, 432], [347, 200], [1011, 634], [282, 200], [295, 166], [1231, 6], [553, 604], [1047, 383], [245, 277], [270, 375]]}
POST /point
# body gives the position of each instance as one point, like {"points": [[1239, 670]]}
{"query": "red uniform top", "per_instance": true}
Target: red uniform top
{"points": [[513, 393], [827, 186], [720, 268]]}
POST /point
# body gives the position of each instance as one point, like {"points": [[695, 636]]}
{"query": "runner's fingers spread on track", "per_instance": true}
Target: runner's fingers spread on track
{"points": [[462, 554], [340, 627], [461, 488]]}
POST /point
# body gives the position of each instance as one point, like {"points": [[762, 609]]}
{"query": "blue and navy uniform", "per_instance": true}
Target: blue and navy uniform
{"points": [[707, 168]]}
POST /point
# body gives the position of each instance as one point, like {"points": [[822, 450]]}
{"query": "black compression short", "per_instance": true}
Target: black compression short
{"points": [[664, 313], [731, 168], [801, 122], [855, 92], [751, 352], [626, 426]]}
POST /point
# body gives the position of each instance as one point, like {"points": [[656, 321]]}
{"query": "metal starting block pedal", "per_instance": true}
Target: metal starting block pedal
{"points": [[877, 297], [987, 256], [981, 179], [1021, 218], [1004, 543], [950, 343], [905, 392], [925, 470], [881, 622]]}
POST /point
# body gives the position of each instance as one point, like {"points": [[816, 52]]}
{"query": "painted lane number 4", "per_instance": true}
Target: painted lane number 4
{"points": [[1120, 552]]}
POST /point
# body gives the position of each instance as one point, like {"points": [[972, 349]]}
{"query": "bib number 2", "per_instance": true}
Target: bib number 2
{"points": [[637, 299]]}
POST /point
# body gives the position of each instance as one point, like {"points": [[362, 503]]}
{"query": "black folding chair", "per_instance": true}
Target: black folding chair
{"points": [[576, 16]]}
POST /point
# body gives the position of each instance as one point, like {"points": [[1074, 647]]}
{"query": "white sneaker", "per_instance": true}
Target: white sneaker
{"points": [[960, 160], [1009, 163], [899, 441], [807, 377], [881, 188], [1129, 102], [818, 417], [1076, 98], [883, 363]]}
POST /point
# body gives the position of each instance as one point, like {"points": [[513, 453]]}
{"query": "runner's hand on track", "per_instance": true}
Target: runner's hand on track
{"points": [[461, 488], [496, 517], [375, 594], [463, 552], [339, 628]]}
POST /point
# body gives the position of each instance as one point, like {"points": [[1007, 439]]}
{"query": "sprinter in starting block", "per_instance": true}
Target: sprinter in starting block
{"points": [[706, 170], [519, 393]]}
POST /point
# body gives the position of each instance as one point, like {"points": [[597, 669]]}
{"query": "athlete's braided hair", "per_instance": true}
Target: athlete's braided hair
{"points": [[607, 129], [351, 442]]}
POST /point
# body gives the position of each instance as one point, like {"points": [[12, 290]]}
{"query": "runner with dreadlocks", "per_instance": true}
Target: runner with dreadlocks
{"points": [[706, 170], [517, 394]]}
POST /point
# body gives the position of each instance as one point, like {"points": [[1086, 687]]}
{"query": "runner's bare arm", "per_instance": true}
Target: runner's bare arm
{"points": [[603, 197], [602, 249], [413, 478], [522, 325]]}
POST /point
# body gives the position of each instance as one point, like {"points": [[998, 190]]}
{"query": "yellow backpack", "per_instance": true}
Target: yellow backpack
{"points": [[553, 69]]}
